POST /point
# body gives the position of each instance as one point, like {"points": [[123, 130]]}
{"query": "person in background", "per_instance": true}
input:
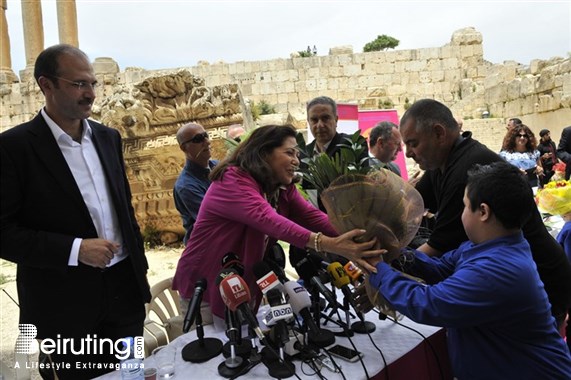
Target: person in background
{"points": [[384, 144], [547, 156], [487, 293], [234, 132], [512, 123], [67, 220], [519, 148], [251, 203], [192, 183], [322, 118], [432, 138], [564, 150]]}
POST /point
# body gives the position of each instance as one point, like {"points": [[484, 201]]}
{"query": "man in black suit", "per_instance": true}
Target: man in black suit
{"points": [[564, 150], [68, 222]]}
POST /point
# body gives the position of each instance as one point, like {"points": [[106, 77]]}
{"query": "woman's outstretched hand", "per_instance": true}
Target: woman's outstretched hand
{"points": [[361, 254]]}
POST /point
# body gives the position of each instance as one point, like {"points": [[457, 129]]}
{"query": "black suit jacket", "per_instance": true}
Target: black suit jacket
{"points": [[564, 150], [42, 212]]}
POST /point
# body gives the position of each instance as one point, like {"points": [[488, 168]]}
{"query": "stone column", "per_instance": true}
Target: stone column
{"points": [[33, 30], [6, 73], [67, 22]]}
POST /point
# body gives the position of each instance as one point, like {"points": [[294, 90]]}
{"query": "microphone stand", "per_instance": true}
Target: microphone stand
{"points": [[202, 349], [234, 364], [279, 366]]}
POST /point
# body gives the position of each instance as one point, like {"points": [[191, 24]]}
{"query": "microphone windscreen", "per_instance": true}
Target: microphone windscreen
{"points": [[261, 269], [234, 291], [338, 275], [201, 284], [298, 296], [352, 271], [305, 269], [231, 260]]}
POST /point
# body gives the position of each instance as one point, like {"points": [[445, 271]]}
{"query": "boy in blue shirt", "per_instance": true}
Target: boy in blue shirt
{"points": [[487, 293]]}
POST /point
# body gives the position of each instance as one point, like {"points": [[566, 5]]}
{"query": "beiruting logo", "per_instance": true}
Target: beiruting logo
{"points": [[122, 348]]}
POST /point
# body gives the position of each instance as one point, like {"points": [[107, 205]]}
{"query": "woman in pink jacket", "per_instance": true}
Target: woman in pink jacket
{"points": [[250, 204]]}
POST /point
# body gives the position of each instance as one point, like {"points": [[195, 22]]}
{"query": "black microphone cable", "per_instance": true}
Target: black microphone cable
{"points": [[382, 356], [355, 348]]}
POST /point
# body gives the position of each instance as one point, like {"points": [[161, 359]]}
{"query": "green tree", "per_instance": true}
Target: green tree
{"points": [[383, 42]]}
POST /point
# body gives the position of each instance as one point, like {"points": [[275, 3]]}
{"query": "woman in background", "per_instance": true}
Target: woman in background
{"points": [[520, 149], [251, 203]]}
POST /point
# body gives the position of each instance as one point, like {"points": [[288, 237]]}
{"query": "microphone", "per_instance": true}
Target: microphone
{"points": [[309, 274], [194, 307], [341, 281], [266, 278], [354, 273], [236, 296], [232, 261], [202, 349], [300, 303]]}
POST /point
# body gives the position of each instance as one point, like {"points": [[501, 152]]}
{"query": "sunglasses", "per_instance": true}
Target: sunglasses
{"points": [[523, 136], [197, 139]]}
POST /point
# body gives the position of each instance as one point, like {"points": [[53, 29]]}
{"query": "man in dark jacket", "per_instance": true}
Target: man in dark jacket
{"points": [[432, 138]]}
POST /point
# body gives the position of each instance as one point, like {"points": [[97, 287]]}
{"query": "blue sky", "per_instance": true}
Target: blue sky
{"points": [[169, 34]]}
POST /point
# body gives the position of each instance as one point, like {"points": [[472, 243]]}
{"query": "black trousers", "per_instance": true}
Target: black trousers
{"points": [[118, 312]]}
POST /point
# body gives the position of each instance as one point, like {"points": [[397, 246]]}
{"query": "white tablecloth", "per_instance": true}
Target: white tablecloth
{"points": [[393, 340]]}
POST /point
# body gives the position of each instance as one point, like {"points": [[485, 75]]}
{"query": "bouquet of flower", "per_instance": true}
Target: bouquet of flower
{"points": [[559, 169], [384, 205], [555, 198]]}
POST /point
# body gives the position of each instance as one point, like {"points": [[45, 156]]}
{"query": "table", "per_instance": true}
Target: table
{"points": [[408, 355]]}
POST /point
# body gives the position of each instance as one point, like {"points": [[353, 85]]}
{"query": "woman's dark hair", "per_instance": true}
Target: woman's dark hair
{"points": [[513, 204], [511, 136], [251, 154]]}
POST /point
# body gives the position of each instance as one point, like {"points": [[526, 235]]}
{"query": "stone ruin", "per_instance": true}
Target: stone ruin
{"points": [[148, 115]]}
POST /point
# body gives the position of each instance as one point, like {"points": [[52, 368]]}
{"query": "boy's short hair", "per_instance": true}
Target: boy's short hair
{"points": [[504, 189]]}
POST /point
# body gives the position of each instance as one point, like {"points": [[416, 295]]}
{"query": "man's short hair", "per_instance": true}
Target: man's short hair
{"points": [[47, 64], [543, 132], [516, 121], [504, 189], [427, 112], [322, 100], [382, 130]]}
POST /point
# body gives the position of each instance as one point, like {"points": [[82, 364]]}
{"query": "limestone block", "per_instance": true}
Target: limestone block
{"points": [[333, 84], [336, 71], [492, 80], [564, 67], [466, 36], [338, 50], [566, 87], [387, 68], [434, 64], [547, 103], [346, 95], [311, 85], [293, 98], [282, 98], [546, 81], [399, 67], [352, 70], [514, 89], [496, 94], [396, 90], [313, 73], [528, 105], [360, 58], [345, 60], [266, 76], [390, 56], [424, 77], [322, 84], [427, 53], [445, 52], [105, 65], [403, 55], [415, 66], [528, 85], [453, 75]]}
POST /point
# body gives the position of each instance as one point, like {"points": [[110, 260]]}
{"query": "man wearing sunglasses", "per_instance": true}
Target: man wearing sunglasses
{"points": [[193, 181]]}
